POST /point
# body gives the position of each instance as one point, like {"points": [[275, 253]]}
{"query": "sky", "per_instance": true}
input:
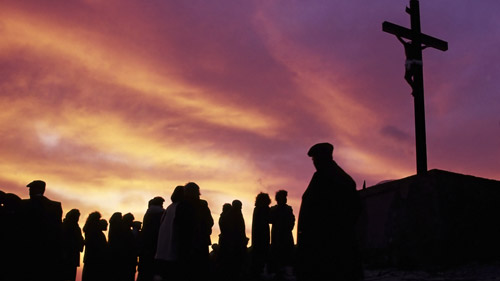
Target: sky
{"points": [[114, 102]]}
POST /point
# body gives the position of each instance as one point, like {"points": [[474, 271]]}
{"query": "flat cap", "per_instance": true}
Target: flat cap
{"points": [[36, 183], [321, 150]]}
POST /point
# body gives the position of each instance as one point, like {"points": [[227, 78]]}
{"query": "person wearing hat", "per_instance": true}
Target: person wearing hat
{"points": [[43, 234], [326, 236]]}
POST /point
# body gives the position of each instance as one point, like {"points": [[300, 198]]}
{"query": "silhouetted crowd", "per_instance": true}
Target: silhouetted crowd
{"points": [[170, 244], [173, 243]]}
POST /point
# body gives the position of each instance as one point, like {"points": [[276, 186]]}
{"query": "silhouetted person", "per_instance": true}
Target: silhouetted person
{"points": [[72, 244], [137, 232], [195, 221], [224, 224], [149, 239], [223, 260], [130, 251], [326, 237], [43, 232], [12, 254], [137, 229], [95, 259], [282, 246], [237, 240], [116, 246], [260, 234], [167, 251], [213, 257]]}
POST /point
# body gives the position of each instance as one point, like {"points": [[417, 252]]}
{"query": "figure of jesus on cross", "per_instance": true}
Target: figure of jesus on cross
{"points": [[417, 41], [411, 61]]}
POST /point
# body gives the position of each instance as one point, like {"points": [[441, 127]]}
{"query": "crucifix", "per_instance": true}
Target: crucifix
{"points": [[417, 41]]}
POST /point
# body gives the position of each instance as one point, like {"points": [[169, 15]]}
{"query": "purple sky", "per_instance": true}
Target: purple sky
{"points": [[114, 102]]}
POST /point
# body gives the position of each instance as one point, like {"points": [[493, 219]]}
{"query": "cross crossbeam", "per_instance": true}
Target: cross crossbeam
{"points": [[404, 32]]}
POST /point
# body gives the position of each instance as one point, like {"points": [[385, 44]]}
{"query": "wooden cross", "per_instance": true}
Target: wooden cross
{"points": [[414, 72]]}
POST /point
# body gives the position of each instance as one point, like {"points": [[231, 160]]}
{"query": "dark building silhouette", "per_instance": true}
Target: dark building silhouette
{"points": [[72, 244], [282, 247], [326, 237], [260, 234], [436, 219]]}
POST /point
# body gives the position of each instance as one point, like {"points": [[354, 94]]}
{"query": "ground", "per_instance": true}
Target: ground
{"points": [[470, 272]]}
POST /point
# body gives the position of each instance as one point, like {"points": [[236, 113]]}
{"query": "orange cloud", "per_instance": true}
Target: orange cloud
{"points": [[108, 65]]}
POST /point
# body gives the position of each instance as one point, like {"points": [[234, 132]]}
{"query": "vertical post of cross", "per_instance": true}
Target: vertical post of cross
{"points": [[418, 90]]}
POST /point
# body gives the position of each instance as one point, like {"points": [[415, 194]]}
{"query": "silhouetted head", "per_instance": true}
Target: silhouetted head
{"points": [[281, 197], [321, 154], [103, 225], [178, 194], [128, 220], [226, 207], [215, 247], [262, 200], [92, 222], [37, 188], [94, 216], [137, 225], [157, 201], [115, 218], [236, 205], [72, 216], [191, 191]]}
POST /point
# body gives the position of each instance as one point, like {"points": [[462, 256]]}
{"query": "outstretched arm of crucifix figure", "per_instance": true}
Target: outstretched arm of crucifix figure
{"points": [[408, 43], [402, 41]]}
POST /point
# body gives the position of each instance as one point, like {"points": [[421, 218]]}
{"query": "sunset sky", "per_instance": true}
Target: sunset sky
{"points": [[113, 102]]}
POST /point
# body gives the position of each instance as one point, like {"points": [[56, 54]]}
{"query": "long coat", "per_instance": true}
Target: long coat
{"points": [[43, 237], [283, 221], [194, 222], [326, 238], [260, 238], [72, 246], [260, 230], [95, 259]]}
